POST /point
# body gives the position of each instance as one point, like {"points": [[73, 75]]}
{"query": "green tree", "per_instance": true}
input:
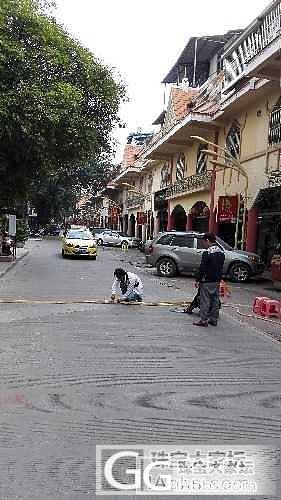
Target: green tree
{"points": [[58, 103], [55, 195]]}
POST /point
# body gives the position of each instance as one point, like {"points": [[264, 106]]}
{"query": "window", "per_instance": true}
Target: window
{"points": [[79, 235], [220, 243], [183, 241], [165, 176], [149, 183], [165, 240], [200, 244], [233, 140], [201, 165], [180, 167], [275, 125]]}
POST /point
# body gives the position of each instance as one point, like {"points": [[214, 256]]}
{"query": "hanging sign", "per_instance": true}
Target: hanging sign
{"points": [[227, 208], [12, 225], [141, 218]]}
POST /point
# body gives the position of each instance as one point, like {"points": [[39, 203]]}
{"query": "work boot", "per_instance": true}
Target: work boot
{"points": [[204, 324], [213, 322]]}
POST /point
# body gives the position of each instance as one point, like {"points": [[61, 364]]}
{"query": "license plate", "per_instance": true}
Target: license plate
{"points": [[83, 250]]}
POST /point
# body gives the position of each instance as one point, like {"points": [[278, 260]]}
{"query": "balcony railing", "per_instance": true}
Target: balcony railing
{"points": [[274, 137], [189, 184], [136, 200], [255, 41]]}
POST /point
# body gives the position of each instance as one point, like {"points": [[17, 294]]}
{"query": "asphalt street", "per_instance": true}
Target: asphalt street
{"points": [[76, 375]]}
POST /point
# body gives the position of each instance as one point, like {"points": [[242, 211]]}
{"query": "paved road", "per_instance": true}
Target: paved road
{"points": [[76, 375]]}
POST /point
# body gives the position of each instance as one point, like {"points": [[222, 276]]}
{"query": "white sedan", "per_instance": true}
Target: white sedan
{"points": [[116, 239]]}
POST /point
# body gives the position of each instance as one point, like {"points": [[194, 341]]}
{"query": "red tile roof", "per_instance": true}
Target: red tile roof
{"points": [[130, 155], [182, 101], [208, 99]]}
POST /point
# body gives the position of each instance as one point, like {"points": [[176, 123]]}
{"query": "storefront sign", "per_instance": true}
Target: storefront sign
{"points": [[141, 218], [227, 208], [115, 211], [12, 225]]}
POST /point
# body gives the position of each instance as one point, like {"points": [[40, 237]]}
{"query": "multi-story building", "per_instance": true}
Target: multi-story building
{"points": [[226, 90], [250, 111]]}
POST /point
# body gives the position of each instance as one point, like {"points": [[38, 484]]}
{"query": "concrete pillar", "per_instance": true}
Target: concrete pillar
{"points": [[171, 222], [252, 230], [129, 227], [213, 224], [189, 222], [143, 232], [157, 226]]}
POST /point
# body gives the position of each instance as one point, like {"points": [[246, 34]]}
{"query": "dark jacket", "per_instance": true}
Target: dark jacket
{"points": [[211, 267]]}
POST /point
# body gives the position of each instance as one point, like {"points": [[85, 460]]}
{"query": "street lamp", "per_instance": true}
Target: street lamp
{"points": [[234, 164]]}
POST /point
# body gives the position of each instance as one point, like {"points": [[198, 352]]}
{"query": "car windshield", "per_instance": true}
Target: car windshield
{"points": [[79, 235], [224, 245]]}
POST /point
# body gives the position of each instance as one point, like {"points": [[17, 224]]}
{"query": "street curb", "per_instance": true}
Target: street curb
{"points": [[12, 264]]}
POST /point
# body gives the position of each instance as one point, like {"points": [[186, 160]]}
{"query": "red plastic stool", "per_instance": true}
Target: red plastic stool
{"points": [[271, 308], [258, 302]]}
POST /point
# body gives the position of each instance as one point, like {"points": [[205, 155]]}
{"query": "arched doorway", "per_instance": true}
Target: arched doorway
{"points": [[179, 218], [200, 217], [132, 225], [126, 223]]}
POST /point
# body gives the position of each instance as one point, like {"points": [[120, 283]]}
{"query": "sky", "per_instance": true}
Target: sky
{"points": [[143, 39]]}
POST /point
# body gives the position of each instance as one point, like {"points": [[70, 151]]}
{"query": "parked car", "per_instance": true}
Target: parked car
{"points": [[180, 252], [79, 243], [51, 230], [143, 245], [116, 239], [98, 230]]}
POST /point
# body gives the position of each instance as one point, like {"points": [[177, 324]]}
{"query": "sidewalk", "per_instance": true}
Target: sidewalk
{"points": [[21, 253]]}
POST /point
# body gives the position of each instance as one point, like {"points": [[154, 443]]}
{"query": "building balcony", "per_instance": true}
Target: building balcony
{"points": [[197, 182], [255, 53], [136, 200], [274, 138]]}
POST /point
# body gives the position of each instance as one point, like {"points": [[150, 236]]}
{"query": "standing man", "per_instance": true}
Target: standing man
{"points": [[129, 284], [210, 275]]}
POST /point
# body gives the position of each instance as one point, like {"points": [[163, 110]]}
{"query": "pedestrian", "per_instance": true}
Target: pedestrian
{"points": [[130, 286], [195, 304], [209, 277]]}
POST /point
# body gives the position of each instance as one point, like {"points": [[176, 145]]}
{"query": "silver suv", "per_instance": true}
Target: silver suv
{"points": [[180, 252]]}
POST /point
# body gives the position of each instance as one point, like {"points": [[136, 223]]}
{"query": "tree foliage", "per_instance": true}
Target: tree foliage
{"points": [[58, 104], [54, 196]]}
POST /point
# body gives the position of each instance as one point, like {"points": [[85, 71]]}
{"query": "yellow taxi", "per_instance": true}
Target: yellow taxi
{"points": [[78, 243]]}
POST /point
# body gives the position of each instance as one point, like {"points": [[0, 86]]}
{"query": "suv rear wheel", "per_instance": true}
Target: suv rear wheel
{"points": [[166, 267], [239, 272]]}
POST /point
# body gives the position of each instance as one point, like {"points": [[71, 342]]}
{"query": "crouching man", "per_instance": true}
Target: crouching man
{"points": [[210, 275], [129, 284]]}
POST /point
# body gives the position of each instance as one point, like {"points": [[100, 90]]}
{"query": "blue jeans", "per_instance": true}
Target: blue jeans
{"points": [[209, 301], [134, 296]]}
